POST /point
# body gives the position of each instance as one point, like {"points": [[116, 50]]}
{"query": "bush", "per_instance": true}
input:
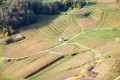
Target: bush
{"points": [[1, 2], [23, 12]]}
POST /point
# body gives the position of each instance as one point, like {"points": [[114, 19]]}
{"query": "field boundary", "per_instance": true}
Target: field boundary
{"points": [[58, 45], [48, 50]]}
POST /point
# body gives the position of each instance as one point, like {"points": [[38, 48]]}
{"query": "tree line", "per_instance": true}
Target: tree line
{"points": [[24, 12]]}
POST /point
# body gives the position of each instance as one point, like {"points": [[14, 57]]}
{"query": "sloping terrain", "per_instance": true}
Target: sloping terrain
{"points": [[90, 51]]}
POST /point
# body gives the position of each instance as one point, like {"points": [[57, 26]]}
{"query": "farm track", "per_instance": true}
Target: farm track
{"points": [[45, 35], [43, 38], [56, 31], [60, 44], [106, 28], [76, 60], [105, 48], [59, 69]]}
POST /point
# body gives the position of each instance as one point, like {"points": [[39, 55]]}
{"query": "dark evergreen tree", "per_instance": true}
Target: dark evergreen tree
{"points": [[23, 12]]}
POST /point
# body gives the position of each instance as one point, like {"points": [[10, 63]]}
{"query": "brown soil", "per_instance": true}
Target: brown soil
{"points": [[23, 70]]}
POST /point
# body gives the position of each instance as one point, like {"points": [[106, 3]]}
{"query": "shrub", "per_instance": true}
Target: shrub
{"points": [[23, 12], [1, 2]]}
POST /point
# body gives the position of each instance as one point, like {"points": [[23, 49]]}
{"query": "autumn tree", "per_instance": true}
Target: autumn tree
{"points": [[24, 12]]}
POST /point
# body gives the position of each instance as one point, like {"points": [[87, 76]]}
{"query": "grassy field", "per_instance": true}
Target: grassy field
{"points": [[2, 63], [48, 59], [98, 35]]}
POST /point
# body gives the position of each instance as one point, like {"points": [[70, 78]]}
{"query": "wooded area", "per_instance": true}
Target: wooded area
{"points": [[23, 12]]}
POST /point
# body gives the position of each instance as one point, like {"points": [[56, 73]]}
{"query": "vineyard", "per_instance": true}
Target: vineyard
{"points": [[90, 50]]}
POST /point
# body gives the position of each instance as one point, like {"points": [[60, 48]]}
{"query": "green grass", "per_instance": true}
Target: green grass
{"points": [[1, 63], [85, 37], [98, 35], [8, 79], [11, 79]]}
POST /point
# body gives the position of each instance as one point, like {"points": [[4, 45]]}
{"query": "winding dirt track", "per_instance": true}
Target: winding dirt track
{"points": [[44, 44], [26, 68]]}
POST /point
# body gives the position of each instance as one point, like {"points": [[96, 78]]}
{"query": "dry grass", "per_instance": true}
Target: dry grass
{"points": [[46, 35], [23, 69]]}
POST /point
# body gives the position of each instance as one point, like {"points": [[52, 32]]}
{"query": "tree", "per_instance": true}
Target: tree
{"points": [[30, 17], [1, 2], [36, 6], [23, 12]]}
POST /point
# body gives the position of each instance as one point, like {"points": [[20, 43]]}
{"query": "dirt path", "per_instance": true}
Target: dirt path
{"points": [[63, 68], [34, 64]]}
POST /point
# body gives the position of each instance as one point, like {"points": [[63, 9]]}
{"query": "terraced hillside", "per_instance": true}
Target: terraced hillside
{"points": [[90, 50]]}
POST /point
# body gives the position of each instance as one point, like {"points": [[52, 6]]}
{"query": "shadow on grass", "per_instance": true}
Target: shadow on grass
{"points": [[92, 3], [42, 20]]}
